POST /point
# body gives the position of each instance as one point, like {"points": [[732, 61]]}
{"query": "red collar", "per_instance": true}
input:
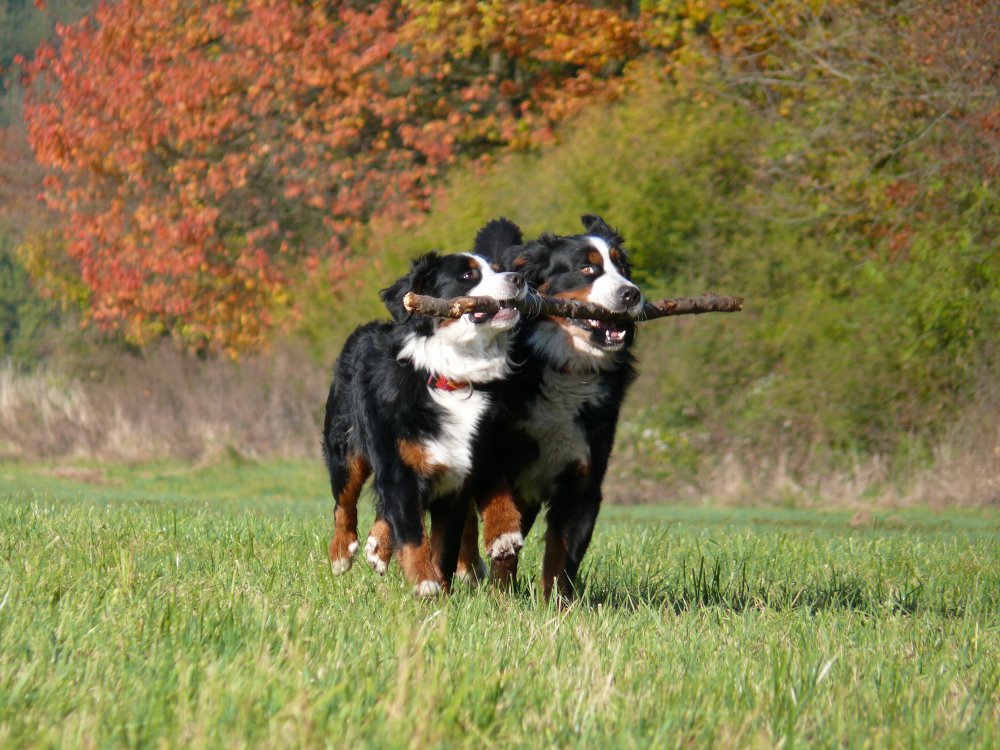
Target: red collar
{"points": [[442, 383]]}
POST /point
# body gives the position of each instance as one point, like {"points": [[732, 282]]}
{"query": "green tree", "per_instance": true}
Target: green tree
{"points": [[24, 315]]}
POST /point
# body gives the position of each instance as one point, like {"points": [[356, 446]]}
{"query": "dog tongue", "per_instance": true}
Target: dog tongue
{"points": [[505, 313]]}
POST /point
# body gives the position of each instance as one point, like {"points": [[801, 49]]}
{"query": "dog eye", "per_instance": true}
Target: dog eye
{"points": [[588, 270], [470, 276]]}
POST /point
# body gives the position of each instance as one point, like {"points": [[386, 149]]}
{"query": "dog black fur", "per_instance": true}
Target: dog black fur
{"points": [[563, 401], [413, 402]]}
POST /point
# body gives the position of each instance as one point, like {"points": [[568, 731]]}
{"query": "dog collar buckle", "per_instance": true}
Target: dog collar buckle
{"points": [[443, 384]]}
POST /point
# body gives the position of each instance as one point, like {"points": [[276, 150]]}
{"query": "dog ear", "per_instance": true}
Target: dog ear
{"points": [[595, 226], [497, 236], [414, 281]]}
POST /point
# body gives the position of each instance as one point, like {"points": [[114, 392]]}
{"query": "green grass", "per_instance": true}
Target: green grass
{"points": [[157, 605]]}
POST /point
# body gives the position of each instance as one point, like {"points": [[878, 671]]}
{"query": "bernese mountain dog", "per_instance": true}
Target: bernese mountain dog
{"points": [[563, 400], [413, 402]]}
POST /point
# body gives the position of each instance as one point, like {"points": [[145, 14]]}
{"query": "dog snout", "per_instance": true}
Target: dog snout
{"points": [[630, 296], [516, 280]]}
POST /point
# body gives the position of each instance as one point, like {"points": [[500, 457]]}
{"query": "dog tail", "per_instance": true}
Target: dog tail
{"points": [[497, 236]]}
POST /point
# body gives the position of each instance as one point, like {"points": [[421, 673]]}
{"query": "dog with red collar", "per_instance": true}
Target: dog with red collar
{"points": [[550, 445], [413, 403]]}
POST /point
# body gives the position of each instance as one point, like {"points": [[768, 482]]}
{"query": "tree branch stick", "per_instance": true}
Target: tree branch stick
{"points": [[534, 306]]}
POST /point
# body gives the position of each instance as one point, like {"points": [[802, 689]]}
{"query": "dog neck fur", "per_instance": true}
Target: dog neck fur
{"points": [[451, 352], [462, 350]]}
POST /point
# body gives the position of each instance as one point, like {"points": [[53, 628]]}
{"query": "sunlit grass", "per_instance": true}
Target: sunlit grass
{"points": [[160, 605]]}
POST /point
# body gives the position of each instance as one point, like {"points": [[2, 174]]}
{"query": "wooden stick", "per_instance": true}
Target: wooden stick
{"points": [[534, 306]]}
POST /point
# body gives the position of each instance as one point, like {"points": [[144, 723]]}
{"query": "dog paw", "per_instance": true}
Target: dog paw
{"points": [[506, 545], [341, 565], [427, 588], [342, 553], [371, 555]]}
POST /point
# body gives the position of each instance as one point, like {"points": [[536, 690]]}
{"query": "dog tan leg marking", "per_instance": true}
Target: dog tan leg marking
{"points": [[380, 545], [378, 548], [502, 534], [471, 569], [344, 543], [554, 565], [415, 456], [503, 571], [418, 567]]}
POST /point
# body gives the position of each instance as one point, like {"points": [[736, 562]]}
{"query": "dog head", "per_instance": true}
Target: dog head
{"points": [[472, 348], [589, 267]]}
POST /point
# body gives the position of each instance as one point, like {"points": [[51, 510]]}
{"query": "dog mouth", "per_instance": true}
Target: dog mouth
{"points": [[506, 314], [604, 333]]}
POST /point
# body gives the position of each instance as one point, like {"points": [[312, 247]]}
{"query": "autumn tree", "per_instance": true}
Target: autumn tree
{"points": [[201, 152], [885, 99]]}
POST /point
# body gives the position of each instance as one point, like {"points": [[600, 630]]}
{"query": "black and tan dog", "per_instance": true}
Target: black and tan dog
{"points": [[411, 402], [563, 401]]}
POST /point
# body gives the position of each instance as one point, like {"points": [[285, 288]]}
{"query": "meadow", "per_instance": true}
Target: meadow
{"points": [[164, 605]]}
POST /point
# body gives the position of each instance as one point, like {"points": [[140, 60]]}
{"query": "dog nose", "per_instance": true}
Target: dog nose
{"points": [[630, 296], [517, 279]]}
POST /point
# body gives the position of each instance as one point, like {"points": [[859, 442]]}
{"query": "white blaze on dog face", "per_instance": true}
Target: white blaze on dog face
{"points": [[608, 289], [501, 286], [472, 348]]}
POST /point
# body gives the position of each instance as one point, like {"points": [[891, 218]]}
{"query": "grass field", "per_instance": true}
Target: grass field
{"points": [[165, 606]]}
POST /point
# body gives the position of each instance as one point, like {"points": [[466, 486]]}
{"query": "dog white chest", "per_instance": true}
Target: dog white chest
{"points": [[554, 426], [461, 413]]}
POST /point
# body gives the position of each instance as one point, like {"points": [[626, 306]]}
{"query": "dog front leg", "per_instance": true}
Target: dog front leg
{"points": [[571, 519], [471, 569], [379, 546], [502, 532], [403, 512], [449, 525]]}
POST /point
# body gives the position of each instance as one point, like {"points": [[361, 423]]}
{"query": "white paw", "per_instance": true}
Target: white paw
{"points": [[506, 545], [427, 588], [376, 562], [352, 548], [341, 565]]}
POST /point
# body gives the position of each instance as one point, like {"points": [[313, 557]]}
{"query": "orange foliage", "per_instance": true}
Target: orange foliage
{"points": [[202, 150]]}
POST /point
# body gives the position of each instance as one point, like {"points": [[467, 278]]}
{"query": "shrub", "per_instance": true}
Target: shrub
{"points": [[852, 338]]}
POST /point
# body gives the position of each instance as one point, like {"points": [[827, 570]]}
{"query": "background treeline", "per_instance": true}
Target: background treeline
{"points": [[834, 162]]}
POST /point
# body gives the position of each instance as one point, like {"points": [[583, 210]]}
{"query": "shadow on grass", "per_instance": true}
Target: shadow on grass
{"points": [[729, 587]]}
